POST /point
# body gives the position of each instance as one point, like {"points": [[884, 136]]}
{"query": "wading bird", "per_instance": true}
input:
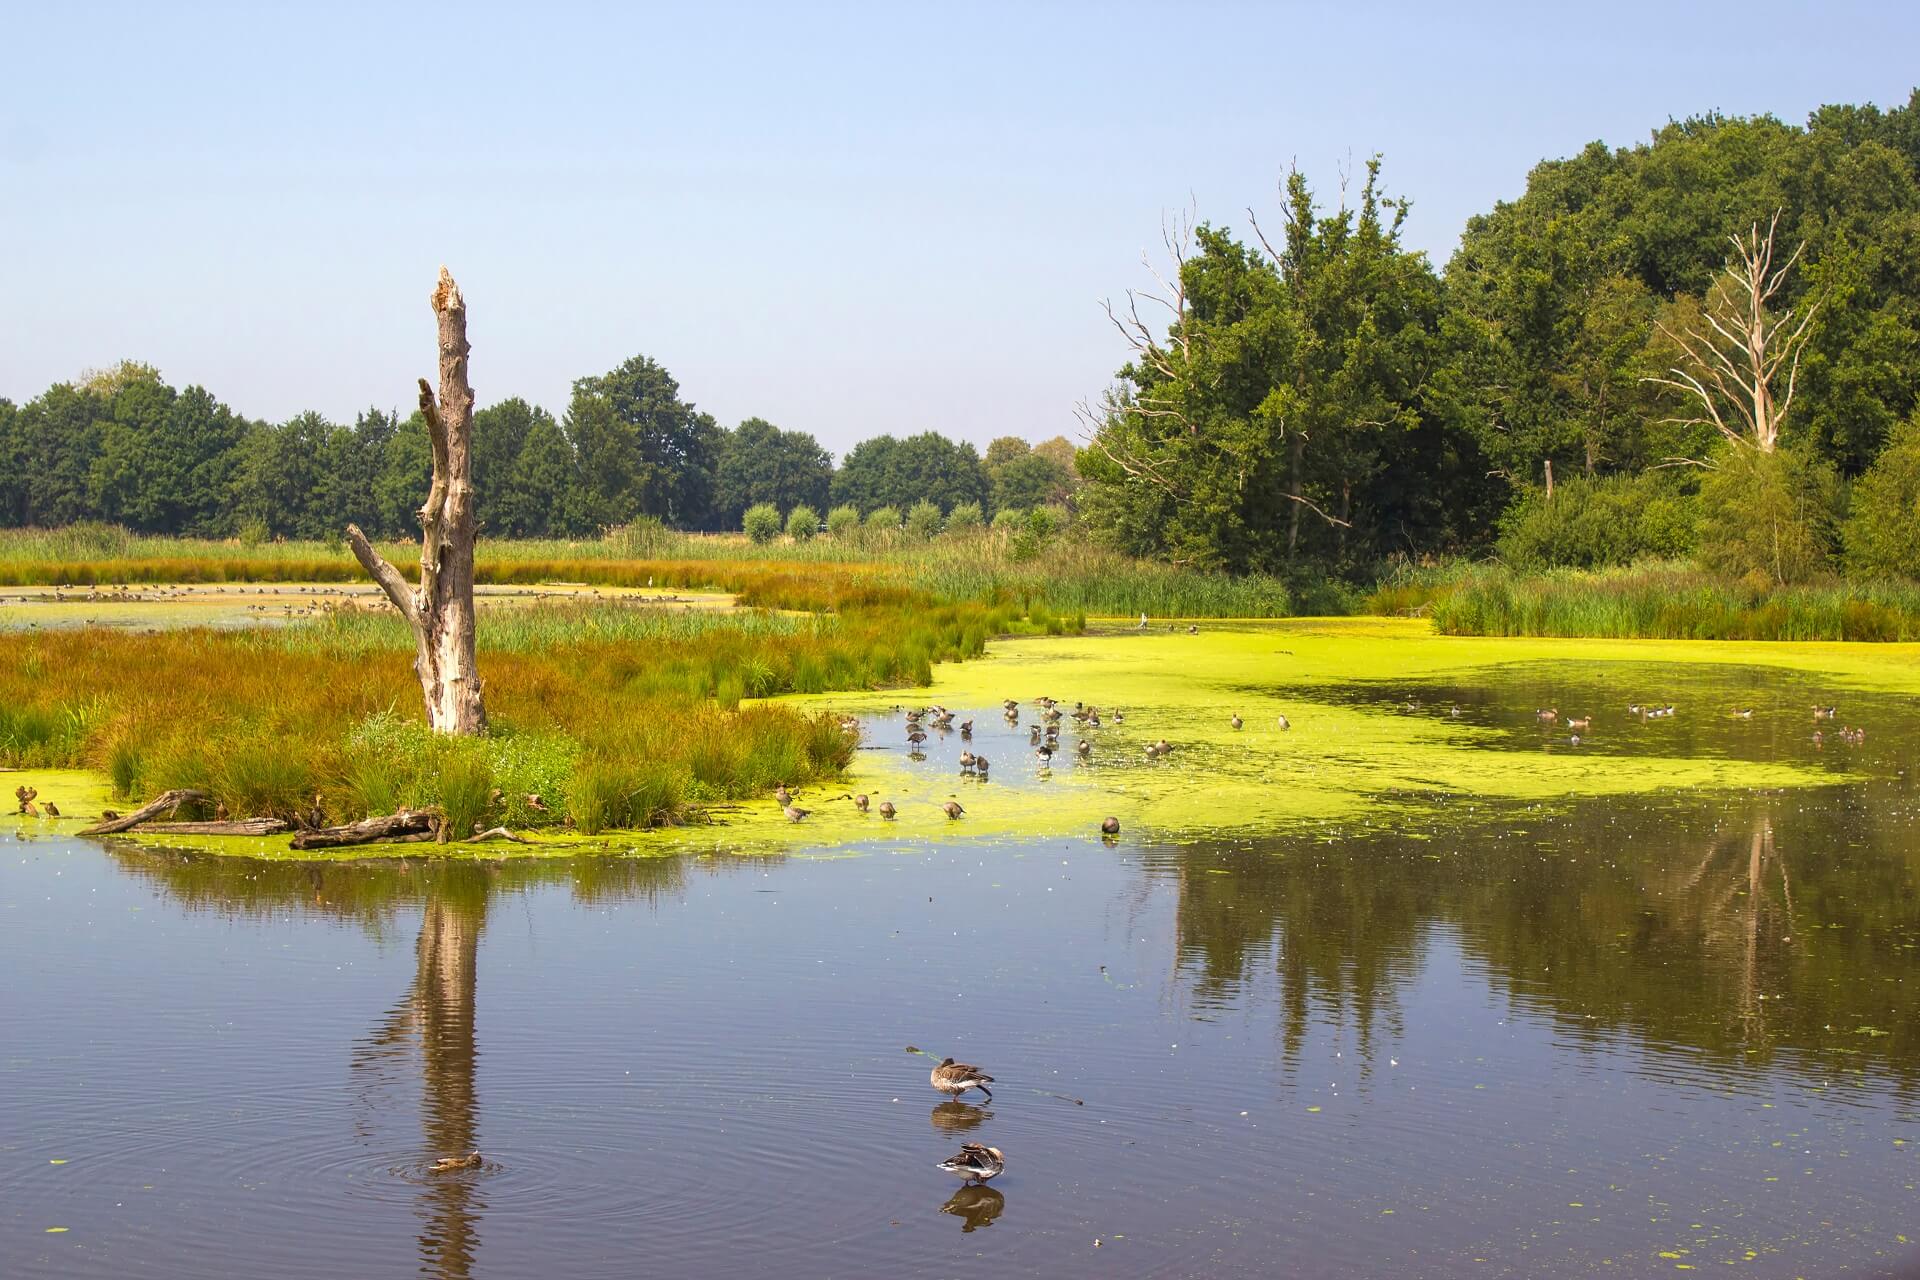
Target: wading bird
{"points": [[955, 1078], [975, 1163]]}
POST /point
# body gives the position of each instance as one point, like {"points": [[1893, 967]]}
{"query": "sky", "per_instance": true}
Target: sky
{"points": [[847, 220]]}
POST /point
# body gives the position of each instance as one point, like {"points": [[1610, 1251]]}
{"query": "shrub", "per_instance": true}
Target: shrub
{"points": [[965, 519], [1883, 533], [1008, 519], [1767, 513], [923, 519], [843, 520], [802, 523], [253, 531], [761, 522], [883, 520], [1593, 524]]}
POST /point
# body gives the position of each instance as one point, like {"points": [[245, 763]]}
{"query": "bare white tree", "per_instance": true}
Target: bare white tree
{"points": [[1736, 358], [440, 609]]}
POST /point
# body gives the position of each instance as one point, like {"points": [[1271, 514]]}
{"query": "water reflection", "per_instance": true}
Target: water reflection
{"points": [[1777, 931], [954, 1116], [976, 1207]]}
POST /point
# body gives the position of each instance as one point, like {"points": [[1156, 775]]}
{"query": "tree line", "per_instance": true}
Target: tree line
{"points": [[123, 446], [1704, 345]]}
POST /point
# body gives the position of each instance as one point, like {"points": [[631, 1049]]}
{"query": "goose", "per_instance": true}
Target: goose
{"points": [[953, 809], [975, 1163], [1580, 722], [955, 1078], [1085, 749]]}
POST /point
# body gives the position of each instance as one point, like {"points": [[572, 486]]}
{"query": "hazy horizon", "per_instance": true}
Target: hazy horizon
{"points": [[843, 221]]}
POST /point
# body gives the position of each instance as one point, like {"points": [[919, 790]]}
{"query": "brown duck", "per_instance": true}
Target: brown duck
{"points": [[955, 1078]]}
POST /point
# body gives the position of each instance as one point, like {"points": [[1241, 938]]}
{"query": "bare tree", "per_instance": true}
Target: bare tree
{"points": [[440, 609], [1735, 360]]}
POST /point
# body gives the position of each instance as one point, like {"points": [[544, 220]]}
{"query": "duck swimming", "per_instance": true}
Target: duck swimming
{"points": [[955, 1078], [975, 1163]]}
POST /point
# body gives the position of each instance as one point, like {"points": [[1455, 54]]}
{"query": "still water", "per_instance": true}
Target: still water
{"points": [[1612, 1037]]}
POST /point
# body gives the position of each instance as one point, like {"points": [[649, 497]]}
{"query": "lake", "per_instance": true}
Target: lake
{"points": [[1502, 1005]]}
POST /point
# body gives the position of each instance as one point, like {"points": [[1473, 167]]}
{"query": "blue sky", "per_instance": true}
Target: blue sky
{"points": [[847, 220]]}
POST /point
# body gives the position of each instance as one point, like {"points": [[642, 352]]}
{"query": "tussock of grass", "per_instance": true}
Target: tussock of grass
{"points": [[1672, 602]]}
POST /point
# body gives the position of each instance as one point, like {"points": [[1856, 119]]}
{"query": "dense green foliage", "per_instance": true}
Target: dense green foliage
{"points": [[1325, 400], [1883, 531]]}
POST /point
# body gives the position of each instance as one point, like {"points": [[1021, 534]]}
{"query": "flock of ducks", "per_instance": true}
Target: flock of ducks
{"points": [[1645, 712]]}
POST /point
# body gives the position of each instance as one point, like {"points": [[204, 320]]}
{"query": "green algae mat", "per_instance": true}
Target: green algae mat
{"points": [[1385, 722]]}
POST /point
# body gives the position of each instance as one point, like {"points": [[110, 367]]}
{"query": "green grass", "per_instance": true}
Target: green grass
{"points": [[1673, 602]]}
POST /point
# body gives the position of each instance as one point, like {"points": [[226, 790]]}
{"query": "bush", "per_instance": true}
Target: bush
{"points": [[1883, 532], [1044, 522], [883, 520], [964, 519], [1594, 524], [1009, 519], [802, 523], [923, 519], [1768, 514], [762, 522], [843, 520]]}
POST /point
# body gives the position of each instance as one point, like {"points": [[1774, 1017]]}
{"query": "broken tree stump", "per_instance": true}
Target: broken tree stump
{"points": [[167, 803]]}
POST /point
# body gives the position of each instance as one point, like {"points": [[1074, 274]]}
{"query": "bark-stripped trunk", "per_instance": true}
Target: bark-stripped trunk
{"points": [[1294, 492], [440, 609]]}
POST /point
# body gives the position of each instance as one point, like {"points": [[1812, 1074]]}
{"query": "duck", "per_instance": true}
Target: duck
{"points": [[980, 765], [1085, 749], [794, 814], [887, 810], [1119, 716], [953, 809], [1579, 722], [1546, 715], [1236, 722], [1454, 712], [49, 808], [860, 802], [975, 1163], [1045, 751], [1825, 713], [1109, 826], [782, 795], [955, 1078], [916, 736], [966, 729], [452, 1164], [25, 796], [1744, 713], [966, 762], [1282, 722]]}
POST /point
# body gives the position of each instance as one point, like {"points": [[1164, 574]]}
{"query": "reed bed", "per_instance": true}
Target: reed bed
{"points": [[613, 716], [868, 567], [1671, 602]]}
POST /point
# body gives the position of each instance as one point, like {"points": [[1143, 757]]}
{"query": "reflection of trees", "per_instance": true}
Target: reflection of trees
{"points": [[437, 1010], [1768, 933]]}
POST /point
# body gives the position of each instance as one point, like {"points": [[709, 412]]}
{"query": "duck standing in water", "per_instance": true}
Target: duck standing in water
{"points": [[887, 810], [953, 809], [1236, 722], [794, 813], [975, 1163], [860, 802], [955, 1078]]}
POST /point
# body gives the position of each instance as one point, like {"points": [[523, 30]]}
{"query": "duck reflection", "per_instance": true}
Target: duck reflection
{"points": [[955, 1116], [976, 1207]]}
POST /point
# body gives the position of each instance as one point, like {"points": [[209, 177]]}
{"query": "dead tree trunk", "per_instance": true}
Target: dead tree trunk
{"points": [[440, 609]]}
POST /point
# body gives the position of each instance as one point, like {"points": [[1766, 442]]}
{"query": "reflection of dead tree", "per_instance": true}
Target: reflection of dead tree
{"points": [[1734, 358], [438, 1009]]}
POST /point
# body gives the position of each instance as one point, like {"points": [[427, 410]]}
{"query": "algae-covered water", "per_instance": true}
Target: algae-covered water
{"points": [[1392, 991]]}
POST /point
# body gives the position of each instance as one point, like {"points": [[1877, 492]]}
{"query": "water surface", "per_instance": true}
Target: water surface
{"points": [[1472, 1036]]}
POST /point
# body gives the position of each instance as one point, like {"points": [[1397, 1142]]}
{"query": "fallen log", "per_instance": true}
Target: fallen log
{"points": [[495, 833], [240, 827], [167, 803], [395, 826]]}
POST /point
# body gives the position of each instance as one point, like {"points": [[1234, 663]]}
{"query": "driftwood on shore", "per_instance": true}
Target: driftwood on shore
{"points": [[405, 825], [167, 803], [238, 827]]}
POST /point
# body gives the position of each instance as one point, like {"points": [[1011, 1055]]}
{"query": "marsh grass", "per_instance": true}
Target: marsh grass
{"points": [[864, 565], [1673, 602], [610, 714]]}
